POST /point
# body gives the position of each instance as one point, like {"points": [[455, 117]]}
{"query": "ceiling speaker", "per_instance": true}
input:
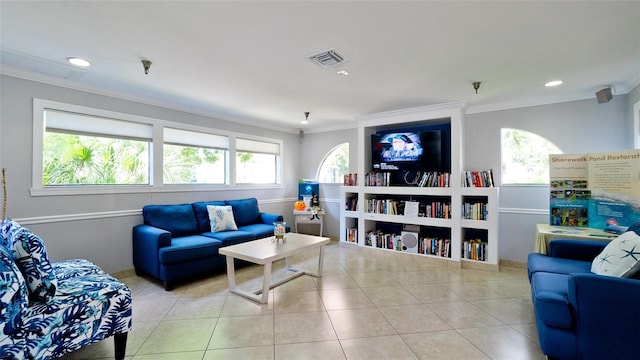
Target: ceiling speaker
{"points": [[604, 95], [409, 241]]}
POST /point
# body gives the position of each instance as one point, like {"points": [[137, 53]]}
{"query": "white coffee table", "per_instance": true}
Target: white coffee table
{"points": [[265, 252]]}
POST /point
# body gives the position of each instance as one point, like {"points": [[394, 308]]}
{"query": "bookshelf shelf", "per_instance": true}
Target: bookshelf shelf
{"points": [[453, 231]]}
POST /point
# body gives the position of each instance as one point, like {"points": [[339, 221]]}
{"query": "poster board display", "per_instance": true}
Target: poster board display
{"points": [[599, 190]]}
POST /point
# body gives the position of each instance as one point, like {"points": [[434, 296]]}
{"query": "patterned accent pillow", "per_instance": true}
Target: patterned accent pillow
{"points": [[30, 255], [13, 294], [621, 257], [221, 218]]}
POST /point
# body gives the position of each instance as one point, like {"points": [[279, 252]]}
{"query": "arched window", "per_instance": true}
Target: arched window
{"points": [[525, 157], [335, 165]]}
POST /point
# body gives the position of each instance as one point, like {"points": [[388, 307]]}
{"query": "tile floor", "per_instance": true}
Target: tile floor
{"points": [[370, 304]]}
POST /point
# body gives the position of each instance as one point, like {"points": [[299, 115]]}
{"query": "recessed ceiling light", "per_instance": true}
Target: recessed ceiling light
{"points": [[343, 73], [553, 83], [79, 62]]}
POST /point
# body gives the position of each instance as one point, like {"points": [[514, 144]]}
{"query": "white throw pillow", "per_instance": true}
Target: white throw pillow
{"points": [[221, 218], [621, 257]]}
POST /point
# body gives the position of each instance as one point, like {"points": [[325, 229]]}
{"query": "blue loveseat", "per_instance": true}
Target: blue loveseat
{"points": [[49, 309], [582, 315], [177, 242]]}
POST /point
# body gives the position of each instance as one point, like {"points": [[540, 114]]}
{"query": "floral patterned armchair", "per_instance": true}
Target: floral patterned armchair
{"points": [[51, 309]]}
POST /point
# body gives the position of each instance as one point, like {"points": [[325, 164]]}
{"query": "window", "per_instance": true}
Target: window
{"points": [[194, 157], [257, 162], [335, 165], [79, 149], [525, 157]]}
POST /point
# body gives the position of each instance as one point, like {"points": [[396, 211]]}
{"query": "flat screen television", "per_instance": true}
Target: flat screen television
{"points": [[425, 149]]}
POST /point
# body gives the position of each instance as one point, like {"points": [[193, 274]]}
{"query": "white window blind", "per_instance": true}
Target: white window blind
{"points": [[254, 146], [193, 138], [63, 121]]}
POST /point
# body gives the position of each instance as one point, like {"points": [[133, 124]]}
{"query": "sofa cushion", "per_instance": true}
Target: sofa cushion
{"points": [[550, 300], [539, 262], [179, 220], [259, 230], [188, 248], [620, 258], [221, 218], [13, 295], [202, 215], [231, 237], [30, 254], [245, 211]]}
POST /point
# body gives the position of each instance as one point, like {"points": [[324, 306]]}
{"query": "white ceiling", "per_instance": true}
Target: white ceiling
{"points": [[247, 61]]}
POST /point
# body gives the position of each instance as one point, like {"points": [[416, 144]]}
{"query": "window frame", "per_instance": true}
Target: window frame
{"points": [[278, 159], [155, 153], [502, 170], [326, 156]]}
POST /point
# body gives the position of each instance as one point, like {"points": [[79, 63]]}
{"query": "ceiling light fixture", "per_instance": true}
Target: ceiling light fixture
{"points": [[553, 83], [476, 86], [78, 62], [306, 118], [343, 73], [146, 64]]}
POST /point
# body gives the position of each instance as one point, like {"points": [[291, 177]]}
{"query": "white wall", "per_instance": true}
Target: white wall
{"points": [[67, 223], [575, 127]]}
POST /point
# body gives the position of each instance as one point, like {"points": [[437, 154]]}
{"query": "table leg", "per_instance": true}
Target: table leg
{"points": [[266, 282], [231, 273]]}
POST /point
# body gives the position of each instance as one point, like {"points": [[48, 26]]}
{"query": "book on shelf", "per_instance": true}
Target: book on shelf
{"points": [[352, 235], [474, 211], [351, 179], [434, 179], [377, 178], [478, 178], [351, 203], [435, 246], [475, 249]]}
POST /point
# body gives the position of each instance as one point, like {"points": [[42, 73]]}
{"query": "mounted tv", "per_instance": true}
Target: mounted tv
{"points": [[420, 149]]}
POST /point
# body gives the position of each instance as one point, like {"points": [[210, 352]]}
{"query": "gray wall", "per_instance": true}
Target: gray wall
{"points": [[93, 226]]}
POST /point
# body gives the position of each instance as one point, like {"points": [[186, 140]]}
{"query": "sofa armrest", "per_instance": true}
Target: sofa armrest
{"points": [[584, 250], [269, 219], [147, 241], [607, 315]]}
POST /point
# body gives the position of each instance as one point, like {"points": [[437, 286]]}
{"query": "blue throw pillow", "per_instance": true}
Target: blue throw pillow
{"points": [[30, 255], [245, 211]]}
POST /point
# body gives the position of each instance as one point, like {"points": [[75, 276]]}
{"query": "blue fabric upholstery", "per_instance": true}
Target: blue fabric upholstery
{"points": [[179, 220], [245, 211], [88, 306], [169, 250], [581, 315]]}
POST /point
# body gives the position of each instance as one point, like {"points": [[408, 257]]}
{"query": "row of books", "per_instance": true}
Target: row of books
{"points": [[434, 179], [479, 178], [376, 178], [474, 211], [351, 179], [435, 246], [433, 209], [351, 203], [475, 249]]}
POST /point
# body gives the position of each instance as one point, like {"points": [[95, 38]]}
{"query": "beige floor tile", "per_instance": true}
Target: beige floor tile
{"points": [[389, 296], [509, 311], [335, 281], [243, 331], [358, 323], [297, 301], [460, 315], [151, 309], [322, 350], [303, 327], [429, 293], [383, 347], [341, 299], [188, 307], [503, 343], [191, 355], [443, 345], [236, 305], [253, 353], [407, 319], [528, 330], [179, 336]]}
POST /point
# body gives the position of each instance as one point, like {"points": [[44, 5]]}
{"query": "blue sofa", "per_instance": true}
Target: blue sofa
{"points": [[49, 309], [176, 242], [581, 315]]}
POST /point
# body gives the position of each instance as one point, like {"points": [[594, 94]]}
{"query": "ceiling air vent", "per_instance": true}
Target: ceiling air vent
{"points": [[327, 58]]}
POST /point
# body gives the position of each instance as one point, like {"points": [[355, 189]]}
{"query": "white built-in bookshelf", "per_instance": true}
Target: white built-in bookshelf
{"points": [[454, 223]]}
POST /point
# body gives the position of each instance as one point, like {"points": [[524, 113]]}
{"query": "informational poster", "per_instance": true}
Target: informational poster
{"points": [[600, 190]]}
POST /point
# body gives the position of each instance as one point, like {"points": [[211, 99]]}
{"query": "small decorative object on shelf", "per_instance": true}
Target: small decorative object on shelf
{"points": [[279, 231], [351, 179]]}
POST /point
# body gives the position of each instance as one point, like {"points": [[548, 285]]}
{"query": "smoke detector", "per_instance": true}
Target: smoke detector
{"points": [[327, 58]]}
